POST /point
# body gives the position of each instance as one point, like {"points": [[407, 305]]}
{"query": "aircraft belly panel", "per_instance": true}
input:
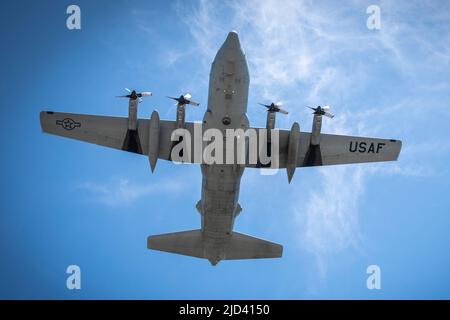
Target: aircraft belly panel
{"points": [[220, 193]]}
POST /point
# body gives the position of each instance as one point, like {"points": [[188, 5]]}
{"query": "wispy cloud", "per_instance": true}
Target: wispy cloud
{"points": [[142, 17], [121, 191], [329, 219], [307, 52]]}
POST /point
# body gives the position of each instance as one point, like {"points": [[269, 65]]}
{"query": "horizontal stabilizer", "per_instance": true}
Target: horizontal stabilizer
{"points": [[242, 246], [188, 243], [195, 244]]}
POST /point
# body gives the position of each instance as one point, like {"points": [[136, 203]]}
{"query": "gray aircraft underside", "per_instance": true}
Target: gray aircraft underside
{"points": [[227, 107]]}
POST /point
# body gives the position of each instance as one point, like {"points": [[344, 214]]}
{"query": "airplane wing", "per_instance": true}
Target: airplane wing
{"points": [[113, 132], [101, 130], [336, 149], [106, 131], [341, 149]]}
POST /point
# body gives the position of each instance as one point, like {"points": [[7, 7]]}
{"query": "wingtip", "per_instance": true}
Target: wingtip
{"points": [[42, 116], [399, 148]]}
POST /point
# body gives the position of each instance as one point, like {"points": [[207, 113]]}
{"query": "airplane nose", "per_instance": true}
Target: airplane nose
{"points": [[232, 43], [233, 39]]}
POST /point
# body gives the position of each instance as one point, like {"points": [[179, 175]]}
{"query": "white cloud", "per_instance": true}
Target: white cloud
{"points": [[123, 192], [313, 53], [330, 217], [142, 18]]}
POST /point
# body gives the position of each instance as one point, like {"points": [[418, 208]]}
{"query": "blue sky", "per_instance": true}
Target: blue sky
{"points": [[64, 202]]}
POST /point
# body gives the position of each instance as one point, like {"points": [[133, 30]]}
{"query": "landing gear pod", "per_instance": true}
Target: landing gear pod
{"points": [[293, 146], [153, 140]]}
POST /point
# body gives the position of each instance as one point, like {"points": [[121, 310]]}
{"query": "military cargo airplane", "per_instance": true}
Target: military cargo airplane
{"points": [[226, 109]]}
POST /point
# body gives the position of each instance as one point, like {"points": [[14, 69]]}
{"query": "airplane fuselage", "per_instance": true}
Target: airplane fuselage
{"points": [[227, 107]]}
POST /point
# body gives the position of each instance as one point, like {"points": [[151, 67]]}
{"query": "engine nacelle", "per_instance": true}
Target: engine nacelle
{"points": [[270, 123], [132, 114], [316, 127], [181, 115]]}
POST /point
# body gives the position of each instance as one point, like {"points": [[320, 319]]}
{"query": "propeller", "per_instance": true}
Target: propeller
{"points": [[136, 95], [323, 111], [274, 107], [184, 99]]}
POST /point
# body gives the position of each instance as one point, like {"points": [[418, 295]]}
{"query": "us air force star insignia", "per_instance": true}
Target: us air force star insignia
{"points": [[68, 124]]}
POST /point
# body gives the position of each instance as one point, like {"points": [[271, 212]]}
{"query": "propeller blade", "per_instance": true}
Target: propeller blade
{"points": [[183, 100], [274, 107], [322, 111], [278, 104], [128, 90], [146, 94]]}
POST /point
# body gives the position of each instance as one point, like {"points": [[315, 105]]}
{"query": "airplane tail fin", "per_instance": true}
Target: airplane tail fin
{"points": [[193, 243]]}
